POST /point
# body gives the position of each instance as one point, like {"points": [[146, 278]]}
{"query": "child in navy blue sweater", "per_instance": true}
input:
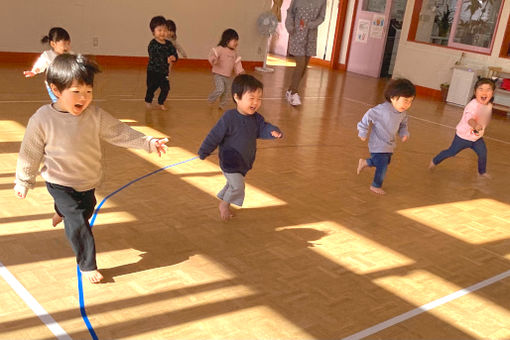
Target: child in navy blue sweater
{"points": [[236, 135]]}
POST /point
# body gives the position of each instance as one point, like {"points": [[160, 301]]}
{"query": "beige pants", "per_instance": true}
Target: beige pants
{"points": [[299, 72]]}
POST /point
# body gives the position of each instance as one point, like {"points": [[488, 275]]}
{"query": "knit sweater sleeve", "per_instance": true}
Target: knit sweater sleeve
{"points": [[214, 138], [30, 154], [118, 133]]}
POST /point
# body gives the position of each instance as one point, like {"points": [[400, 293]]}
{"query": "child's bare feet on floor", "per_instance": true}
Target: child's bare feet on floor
{"points": [[93, 276], [148, 106], [225, 212], [56, 219], [485, 175], [362, 164], [162, 108], [378, 191]]}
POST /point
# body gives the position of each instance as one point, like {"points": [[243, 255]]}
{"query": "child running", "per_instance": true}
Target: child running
{"points": [[60, 42], [65, 136], [161, 54], [225, 61], [236, 135], [471, 128], [386, 120]]}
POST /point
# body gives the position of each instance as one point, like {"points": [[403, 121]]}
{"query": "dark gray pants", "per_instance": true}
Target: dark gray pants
{"points": [[299, 72], [77, 208]]}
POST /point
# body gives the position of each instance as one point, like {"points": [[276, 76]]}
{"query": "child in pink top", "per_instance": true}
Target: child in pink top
{"points": [[225, 61], [471, 127]]}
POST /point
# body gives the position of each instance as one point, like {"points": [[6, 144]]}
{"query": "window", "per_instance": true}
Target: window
{"points": [[464, 24]]}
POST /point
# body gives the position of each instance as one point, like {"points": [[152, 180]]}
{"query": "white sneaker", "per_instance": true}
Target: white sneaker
{"points": [[294, 99]]}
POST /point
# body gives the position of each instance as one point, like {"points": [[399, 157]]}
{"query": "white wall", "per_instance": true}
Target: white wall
{"points": [[122, 26], [429, 66]]}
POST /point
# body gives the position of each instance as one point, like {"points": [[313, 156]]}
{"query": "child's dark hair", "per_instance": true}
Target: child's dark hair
{"points": [[171, 25], [245, 83], [157, 21], [483, 81], [69, 67], [227, 35], [399, 87], [56, 34]]}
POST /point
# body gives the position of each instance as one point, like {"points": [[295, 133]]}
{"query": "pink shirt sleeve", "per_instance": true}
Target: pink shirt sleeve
{"points": [[480, 113]]}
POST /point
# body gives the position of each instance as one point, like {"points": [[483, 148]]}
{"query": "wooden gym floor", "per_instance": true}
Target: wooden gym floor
{"points": [[313, 254]]}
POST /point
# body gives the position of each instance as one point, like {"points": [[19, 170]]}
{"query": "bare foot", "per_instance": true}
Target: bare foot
{"points": [[362, 164], [485, 175], [431, 165], [94, 276], [56, 219], [162, 108], [225, 212], [148, 106], [378, 191]]}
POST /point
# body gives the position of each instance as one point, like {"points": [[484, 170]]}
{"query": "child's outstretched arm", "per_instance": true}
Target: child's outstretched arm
{"points": [[40, 66], [267, 130], [238, 66]]}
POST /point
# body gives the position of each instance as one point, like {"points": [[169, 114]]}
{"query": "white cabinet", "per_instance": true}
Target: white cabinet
{"points": [[462, 85]]}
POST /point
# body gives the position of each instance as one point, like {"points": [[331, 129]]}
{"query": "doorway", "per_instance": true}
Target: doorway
{"points": [[375, 37]]}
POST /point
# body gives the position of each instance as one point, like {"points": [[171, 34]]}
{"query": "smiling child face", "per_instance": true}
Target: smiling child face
{"points": [[74, 99], [250, 102], [484, 93]]}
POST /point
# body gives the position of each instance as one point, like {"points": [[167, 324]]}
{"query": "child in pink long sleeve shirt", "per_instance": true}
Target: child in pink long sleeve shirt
{"points": [[470, 129], [225, 61]]}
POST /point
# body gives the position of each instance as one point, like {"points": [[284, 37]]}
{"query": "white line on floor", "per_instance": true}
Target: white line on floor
{"points": [[47, 319], [441, 301]]}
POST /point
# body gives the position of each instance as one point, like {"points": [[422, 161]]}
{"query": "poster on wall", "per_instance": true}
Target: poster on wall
{"points": [[362, 30], [377, 27]]}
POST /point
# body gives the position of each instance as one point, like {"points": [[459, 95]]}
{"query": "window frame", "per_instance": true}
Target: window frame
{"points": [[413, 28]]}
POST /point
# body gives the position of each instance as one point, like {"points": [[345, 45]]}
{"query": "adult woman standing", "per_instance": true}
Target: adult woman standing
{"points": [[303, 19]]}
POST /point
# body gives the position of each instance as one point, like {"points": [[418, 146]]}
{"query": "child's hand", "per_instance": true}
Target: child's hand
{"points": [[20, 191], [158, 145], [405, 138], [276, 134], [171, 59], [29, 74], [363, 138]]}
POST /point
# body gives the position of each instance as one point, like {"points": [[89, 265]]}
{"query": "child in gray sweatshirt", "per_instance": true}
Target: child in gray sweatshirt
{"points": [[386, 119]]}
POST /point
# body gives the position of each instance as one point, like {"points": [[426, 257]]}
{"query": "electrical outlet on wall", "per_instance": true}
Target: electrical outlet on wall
{"points": [[95, 41]]}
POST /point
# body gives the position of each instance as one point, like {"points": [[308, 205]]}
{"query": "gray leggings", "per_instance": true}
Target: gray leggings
{"points": [[222, 86], [299, 71], [233, 191]]}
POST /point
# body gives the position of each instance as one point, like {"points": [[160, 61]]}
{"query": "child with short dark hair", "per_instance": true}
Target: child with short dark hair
{"points": [[224, 61], [470, 129], [65, 136], [60, 42], [236, 135], [172, 36], [161, 54], [385, 120]]}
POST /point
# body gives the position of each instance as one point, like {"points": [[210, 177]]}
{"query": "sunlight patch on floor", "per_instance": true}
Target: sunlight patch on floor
{"points": [[273, 60], [12, 131], [352, 250], [212, 181], [476, 222], [472, 314]]}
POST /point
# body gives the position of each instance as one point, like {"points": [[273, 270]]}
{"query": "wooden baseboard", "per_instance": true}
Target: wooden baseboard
{"points": [[28, 58], [428, 92]]}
